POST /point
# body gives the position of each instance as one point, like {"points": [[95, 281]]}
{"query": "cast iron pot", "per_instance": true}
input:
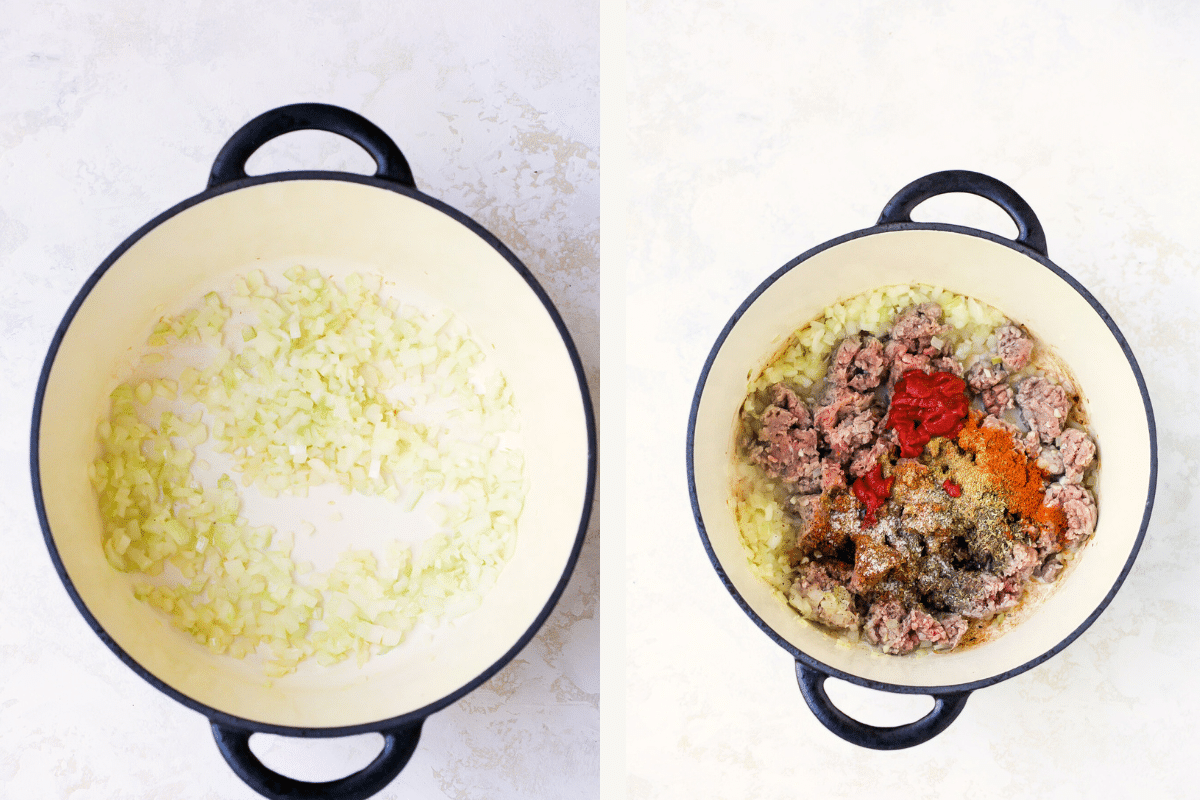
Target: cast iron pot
{"points": [[339, 223], [1016, 277]]}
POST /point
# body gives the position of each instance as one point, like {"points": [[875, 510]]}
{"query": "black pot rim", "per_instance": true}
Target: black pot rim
{"points": [[800, 655], [231, 720]]}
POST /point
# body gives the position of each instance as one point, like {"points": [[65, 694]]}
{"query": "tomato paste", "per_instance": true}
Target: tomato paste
{"points": [[872, 490], [924, 406]]}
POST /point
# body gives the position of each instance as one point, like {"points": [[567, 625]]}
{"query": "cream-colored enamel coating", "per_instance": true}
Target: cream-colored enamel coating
{"points": [[1025, 291], [339, 227]]}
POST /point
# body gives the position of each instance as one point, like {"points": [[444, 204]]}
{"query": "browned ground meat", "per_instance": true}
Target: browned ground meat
{"points": [[839, 403], [943, 633], [784, 397], [1049, 570], [1044, 406], [979, 595], [1078, 452], [802, 507], [1013, 347], [910, 345], [1042, 537]]}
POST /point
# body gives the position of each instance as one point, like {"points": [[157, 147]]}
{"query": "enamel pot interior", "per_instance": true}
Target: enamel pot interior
{"points": [[1029, 290], [338, 226]]}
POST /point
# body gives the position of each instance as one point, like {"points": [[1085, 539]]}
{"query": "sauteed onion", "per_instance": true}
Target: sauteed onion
{"points": [[297, 387]]}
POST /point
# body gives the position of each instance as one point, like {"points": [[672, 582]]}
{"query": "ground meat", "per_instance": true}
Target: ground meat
{"points": [[1013, 347], [820, 594], [843, 361], [1043, 538], [1023, 561], [911, 344], [1078, 505], [839, 402], [1078, 452], [916, 326], [865, 459], [983, 374], [1049, 569], [1050, 461], [855, 431], [948, 364], [983, 595], [1031, 443], [888, 628], [943, 634], [954, 627], [894, 348], [1027, 441], [997, 399], [907, 362], [802, 508], [786, 446], [785, 397], [971, 592], [897, 631], [1044, 406], [832, 475], [859, 362]]}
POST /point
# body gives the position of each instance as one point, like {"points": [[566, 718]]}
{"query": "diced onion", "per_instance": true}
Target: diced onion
{"points": [[310, 398]]}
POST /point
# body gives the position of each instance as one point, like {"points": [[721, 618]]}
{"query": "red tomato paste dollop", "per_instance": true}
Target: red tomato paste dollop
{"points": [[924, 406], [872, 491]]}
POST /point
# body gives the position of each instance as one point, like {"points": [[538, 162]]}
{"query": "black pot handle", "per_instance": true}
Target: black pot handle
{"points": [[945, 708], [230, 164], [398, 746], [1029, 230]]}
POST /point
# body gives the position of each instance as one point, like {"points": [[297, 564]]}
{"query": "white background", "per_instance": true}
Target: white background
{"points": [[758, 130], [111, 111]]}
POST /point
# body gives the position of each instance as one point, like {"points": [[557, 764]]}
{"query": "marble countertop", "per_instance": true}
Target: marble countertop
{"points": [[112, 112], [760, 129]]}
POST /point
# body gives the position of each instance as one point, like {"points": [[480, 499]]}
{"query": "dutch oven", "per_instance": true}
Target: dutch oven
{"points": [[1016, 277], [339, 223]]}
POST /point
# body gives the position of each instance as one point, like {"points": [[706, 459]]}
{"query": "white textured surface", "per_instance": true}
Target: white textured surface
{"points": [[112, 112], [761, 129]]}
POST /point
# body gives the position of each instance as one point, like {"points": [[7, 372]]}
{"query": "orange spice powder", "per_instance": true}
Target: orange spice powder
{"points": [[1018, 480]]}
